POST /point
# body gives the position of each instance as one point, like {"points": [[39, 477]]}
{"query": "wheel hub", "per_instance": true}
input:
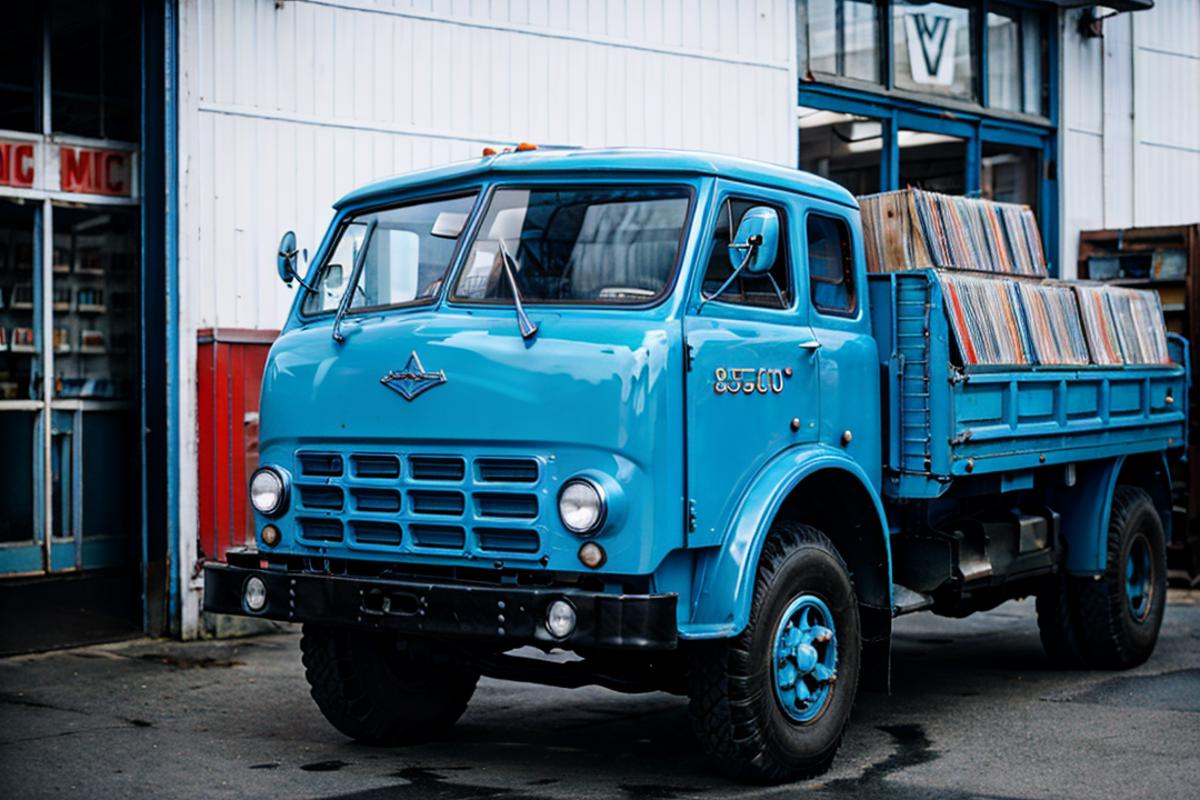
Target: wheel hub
{"points": [[805, 666], [1137, 577]]}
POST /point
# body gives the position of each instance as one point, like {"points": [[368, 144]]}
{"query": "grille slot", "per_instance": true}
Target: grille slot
{"points": [[507, 470], [380, 501], [446, 503], [321, 530], [448, 537], [371, 532], [320, 465], [507, 506], [375, 466], [437, 468], [326, 498], [508, 540]]}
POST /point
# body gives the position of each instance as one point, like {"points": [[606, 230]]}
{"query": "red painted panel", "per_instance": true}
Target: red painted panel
{"points": [[228, 381]]}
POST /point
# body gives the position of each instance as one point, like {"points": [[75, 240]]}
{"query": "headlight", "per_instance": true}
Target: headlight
{"points": [[581, 506], [268, 492]]}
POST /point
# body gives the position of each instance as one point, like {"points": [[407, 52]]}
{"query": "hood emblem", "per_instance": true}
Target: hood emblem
{"points": [[413, 379]]}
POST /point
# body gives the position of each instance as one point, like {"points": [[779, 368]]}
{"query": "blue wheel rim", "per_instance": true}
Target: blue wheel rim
{"points": [[1138, 585], [804, 653]]}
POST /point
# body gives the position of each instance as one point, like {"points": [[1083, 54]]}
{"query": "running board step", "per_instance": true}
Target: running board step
{"points": [[906, 601]]}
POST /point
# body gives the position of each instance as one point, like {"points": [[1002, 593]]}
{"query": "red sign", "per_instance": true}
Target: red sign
{"points": [[16, 164], [87, 170]]}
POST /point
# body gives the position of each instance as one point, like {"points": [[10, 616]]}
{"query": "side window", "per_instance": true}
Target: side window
{"points": [[830, 265], [749, 290]]}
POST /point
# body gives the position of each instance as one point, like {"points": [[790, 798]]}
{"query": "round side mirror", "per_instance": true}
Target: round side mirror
{"points": [[758, 235], [286, 260]]}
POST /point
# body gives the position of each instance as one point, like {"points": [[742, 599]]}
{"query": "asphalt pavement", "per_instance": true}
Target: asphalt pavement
{"points": [[976, 711]]}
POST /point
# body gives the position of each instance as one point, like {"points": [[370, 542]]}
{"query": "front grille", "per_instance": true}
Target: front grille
{"points": [[326, 498], [507, 470], [443, 503], [446, 504], [437, 468], [370, 532], [440, 536], [508, 540], [320, 465], [376, 501], [507, 506], [321, 530], [375, 466]]}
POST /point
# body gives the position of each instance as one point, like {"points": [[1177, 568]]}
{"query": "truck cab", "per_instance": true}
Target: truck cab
{"points": [[631, 404]]}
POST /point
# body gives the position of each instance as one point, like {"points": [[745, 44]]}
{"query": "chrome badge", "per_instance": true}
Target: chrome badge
{"points": [[413, 379]]}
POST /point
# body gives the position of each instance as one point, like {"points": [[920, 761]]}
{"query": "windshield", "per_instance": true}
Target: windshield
{"points": [[405, 260], [610, 245]]}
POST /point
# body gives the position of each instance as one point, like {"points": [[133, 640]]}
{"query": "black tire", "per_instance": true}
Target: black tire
{"points": [[377, 693], [1114, 636], [1058, 621], [734, 709]]}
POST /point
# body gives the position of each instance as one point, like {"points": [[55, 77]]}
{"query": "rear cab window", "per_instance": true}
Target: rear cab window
{"points": [[830, 265]]}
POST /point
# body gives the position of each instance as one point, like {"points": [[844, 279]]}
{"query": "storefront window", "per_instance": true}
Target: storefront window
{"points": [[1015, 53], [845, 148], [20, 67], [94, 68], [839, 37], [933, 48], [1009, 174], [933, 161]]}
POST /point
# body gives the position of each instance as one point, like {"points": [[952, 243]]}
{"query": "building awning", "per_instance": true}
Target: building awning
{"points": [[1115, 5]]}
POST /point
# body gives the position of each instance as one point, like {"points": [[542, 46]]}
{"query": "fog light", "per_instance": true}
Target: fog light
{"points": [[255, 594], [560, 619], [592, 555], [271, 536]]}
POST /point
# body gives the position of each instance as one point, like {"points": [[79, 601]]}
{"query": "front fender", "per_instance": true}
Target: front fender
{"points": [[725, 575]]}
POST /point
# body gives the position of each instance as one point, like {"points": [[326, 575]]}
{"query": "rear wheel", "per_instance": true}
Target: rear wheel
{"points": [[771, 705], [1111, 621], [377, 692]]}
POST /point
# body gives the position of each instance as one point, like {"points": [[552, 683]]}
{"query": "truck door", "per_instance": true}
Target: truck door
{"points": [[752, 376]]}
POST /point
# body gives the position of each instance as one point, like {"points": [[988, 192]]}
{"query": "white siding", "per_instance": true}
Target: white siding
{"points": [[285, 109], [1130, 128]]}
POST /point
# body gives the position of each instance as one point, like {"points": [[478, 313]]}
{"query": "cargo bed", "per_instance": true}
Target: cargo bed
{"points": [[943, 421]]}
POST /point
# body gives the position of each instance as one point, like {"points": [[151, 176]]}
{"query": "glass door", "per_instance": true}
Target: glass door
{"points": [[21, 389], [94, 477]]}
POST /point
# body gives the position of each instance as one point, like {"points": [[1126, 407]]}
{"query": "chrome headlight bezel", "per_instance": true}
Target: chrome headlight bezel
{"points": [[281, 493], [601, 502]]}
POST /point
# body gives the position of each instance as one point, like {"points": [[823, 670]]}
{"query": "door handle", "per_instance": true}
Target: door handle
{"points": [[811, 346]]}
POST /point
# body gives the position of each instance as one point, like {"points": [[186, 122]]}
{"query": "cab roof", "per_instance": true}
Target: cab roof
{"points": [[611, 161]]}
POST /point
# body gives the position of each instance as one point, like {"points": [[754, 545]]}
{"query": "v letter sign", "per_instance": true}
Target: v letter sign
{"points": [[931, 48]]}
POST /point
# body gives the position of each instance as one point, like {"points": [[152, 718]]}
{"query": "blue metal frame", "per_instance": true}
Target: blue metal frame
{"points": [[976, 125]]}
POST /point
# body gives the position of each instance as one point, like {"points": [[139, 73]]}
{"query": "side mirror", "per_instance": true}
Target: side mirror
{"points": [[286, 259], [757, 238]]}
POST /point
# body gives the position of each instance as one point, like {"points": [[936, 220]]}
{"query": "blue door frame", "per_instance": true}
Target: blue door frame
{"points": [[976, 127]]}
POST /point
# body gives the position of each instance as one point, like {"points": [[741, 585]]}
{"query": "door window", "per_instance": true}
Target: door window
{"points": [[830, 265], [749, 290]]}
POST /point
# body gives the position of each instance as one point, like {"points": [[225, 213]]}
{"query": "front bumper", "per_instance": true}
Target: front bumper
{"points": [[499, 615]]}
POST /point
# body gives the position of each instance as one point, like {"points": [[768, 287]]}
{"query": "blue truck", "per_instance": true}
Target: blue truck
{"points": [[649, 407]]}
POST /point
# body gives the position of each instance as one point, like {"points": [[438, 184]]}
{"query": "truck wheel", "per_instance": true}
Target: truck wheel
{"points": [[378, 694], [1058, 621], [1122, 612], [771, 704]]}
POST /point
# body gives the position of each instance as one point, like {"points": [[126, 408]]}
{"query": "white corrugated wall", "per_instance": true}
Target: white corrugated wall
{"points": [[1130, 127], [287, 105]]}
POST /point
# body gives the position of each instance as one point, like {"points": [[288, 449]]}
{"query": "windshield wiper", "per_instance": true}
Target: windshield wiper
{"points": [[528, 329], [348, 294]]}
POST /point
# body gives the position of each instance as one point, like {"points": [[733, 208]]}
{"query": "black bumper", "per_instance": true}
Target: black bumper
{"points": [[506, 616]]}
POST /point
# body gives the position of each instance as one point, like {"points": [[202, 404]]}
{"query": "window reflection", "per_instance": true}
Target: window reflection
{"points": [[1009, 174], [933, 161], [845, 148], [839, 37]]}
